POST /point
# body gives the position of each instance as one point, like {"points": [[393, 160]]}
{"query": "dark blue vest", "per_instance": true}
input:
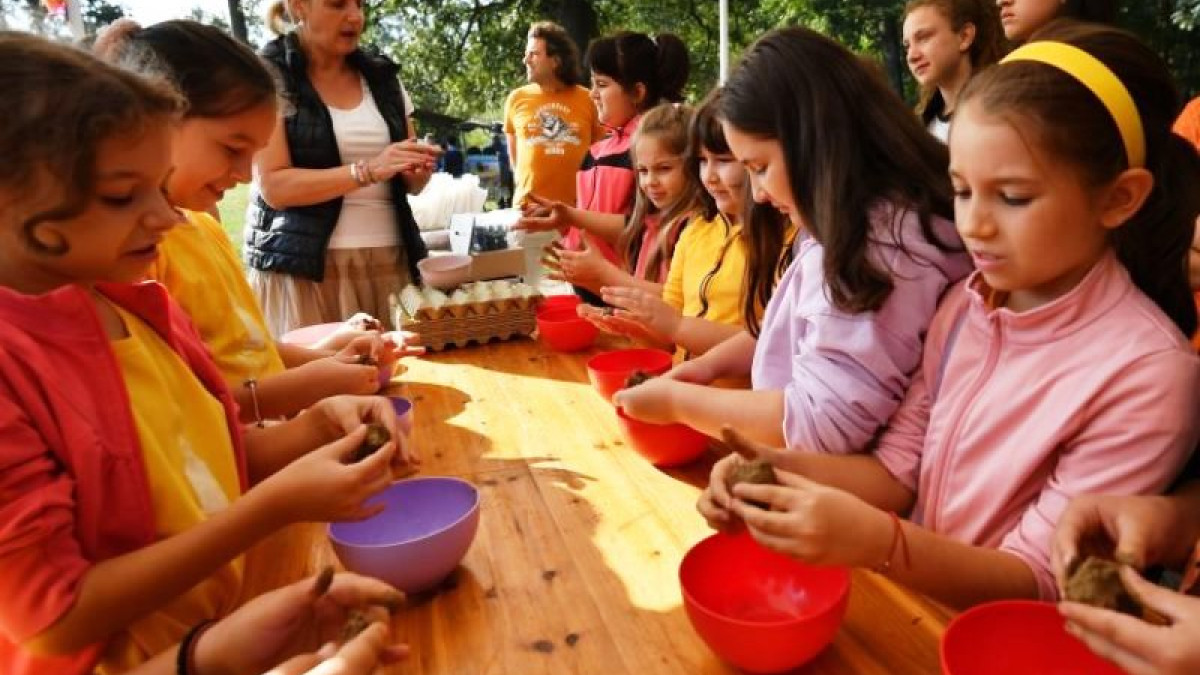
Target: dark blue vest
{"points": [[294, 240]]}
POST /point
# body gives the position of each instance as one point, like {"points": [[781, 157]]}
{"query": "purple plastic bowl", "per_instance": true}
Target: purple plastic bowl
{"points": [[404, 412], [419, 539], [385, 374]]}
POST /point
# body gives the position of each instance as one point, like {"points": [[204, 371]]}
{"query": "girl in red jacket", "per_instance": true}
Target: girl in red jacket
{"points": [[128, 490]]}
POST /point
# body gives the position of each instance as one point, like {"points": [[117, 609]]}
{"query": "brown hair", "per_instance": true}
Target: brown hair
{"points": [[850, 144], [986, 48], [67, 103], [668, 124], [764, 230], [559, 45], [1065, 120], [660, 64], [218, 75]]}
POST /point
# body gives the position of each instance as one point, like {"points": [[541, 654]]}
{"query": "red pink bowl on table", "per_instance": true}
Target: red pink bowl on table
{"points": [[758, 610]]}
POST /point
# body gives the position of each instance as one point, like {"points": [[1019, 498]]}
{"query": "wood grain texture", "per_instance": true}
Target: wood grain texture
{"points": [[575, 568]]}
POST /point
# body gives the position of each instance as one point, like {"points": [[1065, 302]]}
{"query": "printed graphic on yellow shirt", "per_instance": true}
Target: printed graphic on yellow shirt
{"points": [[550, 129]]}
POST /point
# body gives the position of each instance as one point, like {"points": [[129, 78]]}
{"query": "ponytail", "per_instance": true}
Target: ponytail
{"points": [[278, 18], [113, 41], [1154, 244], [672, 66]]}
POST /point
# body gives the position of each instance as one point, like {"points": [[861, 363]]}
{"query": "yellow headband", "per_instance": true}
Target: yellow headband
{"points": [[1097, 77]]}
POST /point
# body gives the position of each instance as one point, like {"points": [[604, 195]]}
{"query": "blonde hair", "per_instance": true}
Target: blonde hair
{"points": [[668, 124], [279, 17]]}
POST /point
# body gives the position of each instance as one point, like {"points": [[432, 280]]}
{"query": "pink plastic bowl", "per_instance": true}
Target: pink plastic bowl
{"points": [[1016, 636], [761, 611], [663, 444], [563, 331], [608, 371], [445, 271], [310, 334], [423, 534]]}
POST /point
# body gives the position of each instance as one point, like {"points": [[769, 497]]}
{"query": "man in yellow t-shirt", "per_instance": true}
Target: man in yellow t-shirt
{"points": [[550, 122]]}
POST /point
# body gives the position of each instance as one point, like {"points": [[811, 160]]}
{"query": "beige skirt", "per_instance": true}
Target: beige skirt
{"points": [[356, 280]]}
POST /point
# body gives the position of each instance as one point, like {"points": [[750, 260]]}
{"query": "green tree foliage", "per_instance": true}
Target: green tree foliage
{"points": [[462, 57]]}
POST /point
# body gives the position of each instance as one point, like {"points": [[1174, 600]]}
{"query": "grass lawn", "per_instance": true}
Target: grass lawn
{"points": [[233, 213]]}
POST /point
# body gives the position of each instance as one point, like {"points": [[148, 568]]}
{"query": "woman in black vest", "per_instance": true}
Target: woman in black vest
{"points": [[329, 231]]}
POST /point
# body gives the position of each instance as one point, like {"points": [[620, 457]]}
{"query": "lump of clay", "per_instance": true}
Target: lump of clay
{"points": [[637, 377], [1097, 582], [755, 472], [377, 437], [356, 623]]}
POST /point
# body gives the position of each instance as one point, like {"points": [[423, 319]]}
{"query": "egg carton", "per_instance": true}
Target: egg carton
{"points": [[480, 322], [473, 299]]}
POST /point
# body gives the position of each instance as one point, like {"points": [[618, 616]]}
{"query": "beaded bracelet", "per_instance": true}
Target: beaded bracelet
{"points": [[185, 658]]}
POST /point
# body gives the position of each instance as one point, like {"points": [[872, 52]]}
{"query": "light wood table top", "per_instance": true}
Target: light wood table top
{"points": [[575, 567]]}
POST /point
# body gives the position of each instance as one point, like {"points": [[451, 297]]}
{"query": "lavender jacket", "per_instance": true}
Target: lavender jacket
{"points": [[843, 375]]}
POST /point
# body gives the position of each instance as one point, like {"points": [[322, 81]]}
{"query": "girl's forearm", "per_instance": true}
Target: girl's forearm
{"points": [[271, 448], [733, 357], [959, 574], [295, 355], [758, 415], [282, 395], [698, 336], [292, 187], [861, 475], [117, 592], [606, 226]]}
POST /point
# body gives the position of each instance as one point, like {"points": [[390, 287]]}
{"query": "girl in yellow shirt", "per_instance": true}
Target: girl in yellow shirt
{"points": [[212, 150], [712, 291]]}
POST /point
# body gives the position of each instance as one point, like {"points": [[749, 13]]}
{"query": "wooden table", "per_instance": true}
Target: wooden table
{"points": [[575, 568]]}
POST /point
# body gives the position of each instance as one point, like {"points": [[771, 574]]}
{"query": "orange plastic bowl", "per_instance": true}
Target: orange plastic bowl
{"points": [[563, 331], [761, 611], [663, 444], [1017, 636], [608, 371]]}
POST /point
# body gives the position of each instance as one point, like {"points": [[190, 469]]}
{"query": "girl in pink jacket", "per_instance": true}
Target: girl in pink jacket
{"points": [[1061, 367]]}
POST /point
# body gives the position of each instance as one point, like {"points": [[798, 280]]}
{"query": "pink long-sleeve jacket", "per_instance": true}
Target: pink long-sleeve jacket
{"points": [[1013, 414]]}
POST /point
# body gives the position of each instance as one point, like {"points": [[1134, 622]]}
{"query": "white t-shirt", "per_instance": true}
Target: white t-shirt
{"points": [[940, 128], [367, 219]]}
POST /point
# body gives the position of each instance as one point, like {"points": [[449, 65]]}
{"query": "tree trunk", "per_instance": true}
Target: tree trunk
{"points": [[893, 60], [237, 22], [577, 17]]}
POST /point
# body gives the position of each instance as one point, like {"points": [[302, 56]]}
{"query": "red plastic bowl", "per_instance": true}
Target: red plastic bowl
{"points": [[608, 371], [759, 610], [1017, 636], [563, 331], [559, 302], [663, 444]]}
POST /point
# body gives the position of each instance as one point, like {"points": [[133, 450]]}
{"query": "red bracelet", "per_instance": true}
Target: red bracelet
{"points": [[898, 540]]}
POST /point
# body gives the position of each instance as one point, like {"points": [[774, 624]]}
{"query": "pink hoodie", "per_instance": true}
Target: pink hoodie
{"points": [[1095, 393]]}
